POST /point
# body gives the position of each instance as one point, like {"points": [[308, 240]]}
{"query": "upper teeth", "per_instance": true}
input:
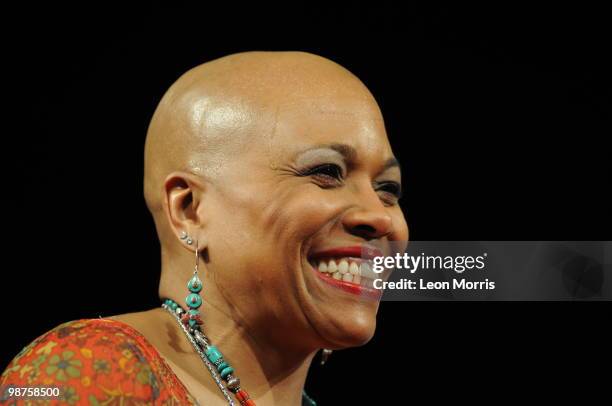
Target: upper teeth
{"points": [[347, 269]]}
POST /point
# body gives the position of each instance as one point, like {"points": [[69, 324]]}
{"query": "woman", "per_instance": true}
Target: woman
{"points": [[267, 174]]}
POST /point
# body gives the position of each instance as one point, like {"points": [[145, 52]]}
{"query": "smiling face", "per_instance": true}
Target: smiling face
{"points": [[304, 180], [324, 184]]}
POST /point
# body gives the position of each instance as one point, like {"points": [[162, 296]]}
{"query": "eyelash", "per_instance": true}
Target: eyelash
{"points": [[393, 188], [323, 171], [334, 172]]}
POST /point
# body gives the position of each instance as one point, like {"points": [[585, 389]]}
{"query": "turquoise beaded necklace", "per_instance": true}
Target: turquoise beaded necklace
{"points": [[190, 322], [213, 359]]}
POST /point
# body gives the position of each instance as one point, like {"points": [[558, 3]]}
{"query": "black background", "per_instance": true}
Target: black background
{"points": [[500, 116]]}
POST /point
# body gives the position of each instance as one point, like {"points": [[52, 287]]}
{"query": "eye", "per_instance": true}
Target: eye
{"points": [[327, 173], [331, 170], [391, 190]]}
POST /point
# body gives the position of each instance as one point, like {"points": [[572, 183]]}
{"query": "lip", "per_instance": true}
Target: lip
{"points": [[360, 252], [358, 290]]}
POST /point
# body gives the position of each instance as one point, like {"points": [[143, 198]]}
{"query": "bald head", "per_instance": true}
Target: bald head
{"points": [[218, 108]]}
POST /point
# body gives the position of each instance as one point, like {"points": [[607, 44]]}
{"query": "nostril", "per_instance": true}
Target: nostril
{"points": [[364, 230], [367, 223]]}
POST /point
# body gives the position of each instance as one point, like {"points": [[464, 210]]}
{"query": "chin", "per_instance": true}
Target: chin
{"points": [[352, 330], [342, 313]]}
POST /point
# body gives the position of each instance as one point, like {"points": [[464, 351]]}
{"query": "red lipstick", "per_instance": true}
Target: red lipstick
{"points": [[358, 252], [370, 293]]}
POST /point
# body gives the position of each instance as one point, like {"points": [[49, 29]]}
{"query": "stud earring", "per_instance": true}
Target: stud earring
{"points": [[325, 354], [192, 318], [185, 237]]}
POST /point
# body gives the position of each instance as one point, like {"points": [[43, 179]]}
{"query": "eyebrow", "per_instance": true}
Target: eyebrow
{"points": [[349, 153], [390, 163]]}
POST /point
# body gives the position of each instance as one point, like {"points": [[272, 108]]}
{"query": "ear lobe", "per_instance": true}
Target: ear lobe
{"points": [[182, 196]]}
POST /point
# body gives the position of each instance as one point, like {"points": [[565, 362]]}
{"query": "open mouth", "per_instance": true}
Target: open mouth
{"points": [[348, 268]]}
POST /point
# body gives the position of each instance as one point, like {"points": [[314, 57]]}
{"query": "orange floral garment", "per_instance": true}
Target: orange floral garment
{"points": [[95, 362]]}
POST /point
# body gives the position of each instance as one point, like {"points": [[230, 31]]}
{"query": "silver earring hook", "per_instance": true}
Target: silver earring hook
{"points": [[197, 254], [325, 354]]}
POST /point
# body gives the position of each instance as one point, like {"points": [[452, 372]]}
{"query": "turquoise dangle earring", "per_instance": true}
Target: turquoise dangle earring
{"points": [[192, 317]]}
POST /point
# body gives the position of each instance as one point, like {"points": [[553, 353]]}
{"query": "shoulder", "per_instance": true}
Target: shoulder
{"points": [[97, 361]]}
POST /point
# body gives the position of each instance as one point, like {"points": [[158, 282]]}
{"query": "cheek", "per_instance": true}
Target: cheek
{"points": [[256, 247], [259, 232], [293, 217]]}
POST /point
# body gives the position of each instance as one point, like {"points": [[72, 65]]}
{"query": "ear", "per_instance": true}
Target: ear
{"points": [[183, 193]]}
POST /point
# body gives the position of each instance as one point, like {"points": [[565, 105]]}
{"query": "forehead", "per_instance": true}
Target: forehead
{"points": [[355, 122]]}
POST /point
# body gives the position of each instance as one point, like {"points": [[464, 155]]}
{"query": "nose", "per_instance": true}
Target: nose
{"points": [[368, 222]]}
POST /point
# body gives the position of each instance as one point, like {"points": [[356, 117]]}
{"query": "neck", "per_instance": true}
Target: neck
{"points": [[272, 374], [270, 365]]}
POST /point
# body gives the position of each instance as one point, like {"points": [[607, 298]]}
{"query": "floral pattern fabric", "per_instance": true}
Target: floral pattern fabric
{"points": [[95, 362]]}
